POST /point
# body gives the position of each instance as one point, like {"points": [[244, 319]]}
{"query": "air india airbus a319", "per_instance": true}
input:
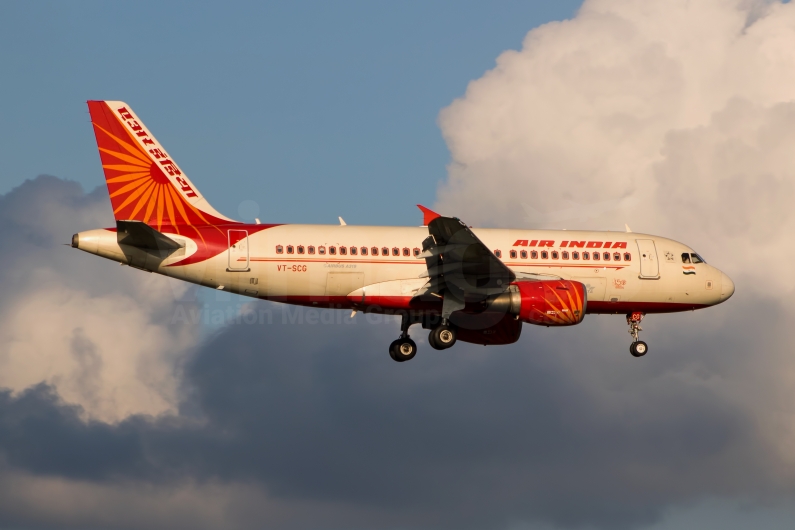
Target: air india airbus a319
{"points": [[461, 283]]}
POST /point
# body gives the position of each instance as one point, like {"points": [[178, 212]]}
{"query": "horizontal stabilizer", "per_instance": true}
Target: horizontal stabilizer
{"points": [[141, 235]]}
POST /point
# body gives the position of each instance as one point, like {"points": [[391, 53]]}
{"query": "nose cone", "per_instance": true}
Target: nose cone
{"points": [[726, 287]]}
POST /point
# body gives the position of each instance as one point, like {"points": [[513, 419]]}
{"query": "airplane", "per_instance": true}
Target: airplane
{"points": [[467, 284]]}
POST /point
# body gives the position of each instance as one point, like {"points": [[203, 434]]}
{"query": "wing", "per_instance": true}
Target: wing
{"points": [[460, 267]]}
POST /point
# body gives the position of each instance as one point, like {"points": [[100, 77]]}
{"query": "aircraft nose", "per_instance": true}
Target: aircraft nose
{"points": [[727, 287]]}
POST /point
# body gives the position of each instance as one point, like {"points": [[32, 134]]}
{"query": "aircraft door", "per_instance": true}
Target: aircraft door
{"points": [[649, 266], [238, 250]]}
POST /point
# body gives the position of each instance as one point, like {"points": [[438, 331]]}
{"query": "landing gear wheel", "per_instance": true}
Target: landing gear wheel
{"points": [[403, 350], [638, 349], [392, 348], [433, 343], [442, 337]]}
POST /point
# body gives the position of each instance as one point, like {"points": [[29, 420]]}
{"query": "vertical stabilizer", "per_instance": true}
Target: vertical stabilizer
{"points": [[144, 182]]}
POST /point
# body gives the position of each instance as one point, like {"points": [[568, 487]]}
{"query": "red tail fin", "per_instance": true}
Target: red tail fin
{"points": [[145, 184]]}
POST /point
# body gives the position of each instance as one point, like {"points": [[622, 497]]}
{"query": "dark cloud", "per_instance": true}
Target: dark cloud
{"points": [[563, 427]]}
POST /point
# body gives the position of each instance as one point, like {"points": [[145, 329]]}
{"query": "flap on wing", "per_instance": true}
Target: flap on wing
{"points": [[456, 256], [141, 235]]}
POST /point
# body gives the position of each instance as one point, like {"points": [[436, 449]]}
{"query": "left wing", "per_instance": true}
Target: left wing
{"points": [[460, 267]]}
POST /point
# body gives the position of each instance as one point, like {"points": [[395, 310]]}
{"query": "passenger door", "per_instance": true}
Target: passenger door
{"points": [[649, 265], [238, 250]]}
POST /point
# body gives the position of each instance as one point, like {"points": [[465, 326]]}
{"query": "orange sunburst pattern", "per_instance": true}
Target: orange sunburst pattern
{"points": [[139, 186], [552, 302]]}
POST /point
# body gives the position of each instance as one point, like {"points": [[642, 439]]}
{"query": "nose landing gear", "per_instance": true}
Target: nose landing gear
{"points": [[638, 348]]}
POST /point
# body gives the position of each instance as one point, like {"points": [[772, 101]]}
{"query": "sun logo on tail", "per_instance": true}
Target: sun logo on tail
{"points": [[143, 181]]}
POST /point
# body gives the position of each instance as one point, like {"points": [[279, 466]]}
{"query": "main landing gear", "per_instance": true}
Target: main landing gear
{"points": [[638, 348], [403, 349], [442, 337]]}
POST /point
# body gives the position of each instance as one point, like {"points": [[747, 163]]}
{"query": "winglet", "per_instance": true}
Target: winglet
{"points": [[428, 215]]}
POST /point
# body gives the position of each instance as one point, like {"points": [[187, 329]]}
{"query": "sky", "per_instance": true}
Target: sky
{"points": [[312, 110], [131, 400]]}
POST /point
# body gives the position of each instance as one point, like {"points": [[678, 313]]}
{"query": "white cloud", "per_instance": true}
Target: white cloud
{"points": [[583, 114], [676, 117], [103, 335]]}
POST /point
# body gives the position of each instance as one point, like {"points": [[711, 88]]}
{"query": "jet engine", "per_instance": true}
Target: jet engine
{"points": [[544, 302]]}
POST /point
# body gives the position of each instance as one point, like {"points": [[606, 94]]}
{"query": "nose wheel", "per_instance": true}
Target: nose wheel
{"points": [[638, 348]]}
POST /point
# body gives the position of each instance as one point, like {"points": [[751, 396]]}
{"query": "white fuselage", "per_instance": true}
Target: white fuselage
{"points": [[284, 263]]}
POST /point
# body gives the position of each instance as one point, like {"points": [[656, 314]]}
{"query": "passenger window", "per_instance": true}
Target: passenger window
{"points": [[406, 252], [554, 254], [354, 251], [385, 251], [513, 254], [627, 256], [586, 255], [523, 254], [279, 249], [616, 256], [311, 250], [416, 252], [321, 250], [696, 258], [343, 251], [364, 251], [685, 257], [395, 251], [498, 253], [375, 251], [534, 254], [290, 249], [596, 256], [300, 249], [575, 255], [606, 256], [332, 250], [544, 254], [565, 255]]}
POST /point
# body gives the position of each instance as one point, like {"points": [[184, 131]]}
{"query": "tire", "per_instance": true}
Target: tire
{"points": [[444, 337], [638, 349], [393, 351], [432, 342], [404, 350]]}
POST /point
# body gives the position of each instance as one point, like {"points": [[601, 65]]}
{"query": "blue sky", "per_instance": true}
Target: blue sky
{"points": [[310, 109]]}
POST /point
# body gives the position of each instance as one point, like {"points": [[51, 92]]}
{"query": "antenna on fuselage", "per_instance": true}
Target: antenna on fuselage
{"points": [[342, 221], [627, 227]]}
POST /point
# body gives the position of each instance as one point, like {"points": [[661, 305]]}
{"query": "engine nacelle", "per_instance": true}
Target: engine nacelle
{"points": [[550, 302]]}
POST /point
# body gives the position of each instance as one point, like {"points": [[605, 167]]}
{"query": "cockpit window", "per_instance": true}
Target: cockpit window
{"points": [[696, 258], [685, 257]]}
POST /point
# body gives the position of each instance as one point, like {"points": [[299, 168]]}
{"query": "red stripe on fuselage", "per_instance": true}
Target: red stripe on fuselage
{"points": [[389, 304]]}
